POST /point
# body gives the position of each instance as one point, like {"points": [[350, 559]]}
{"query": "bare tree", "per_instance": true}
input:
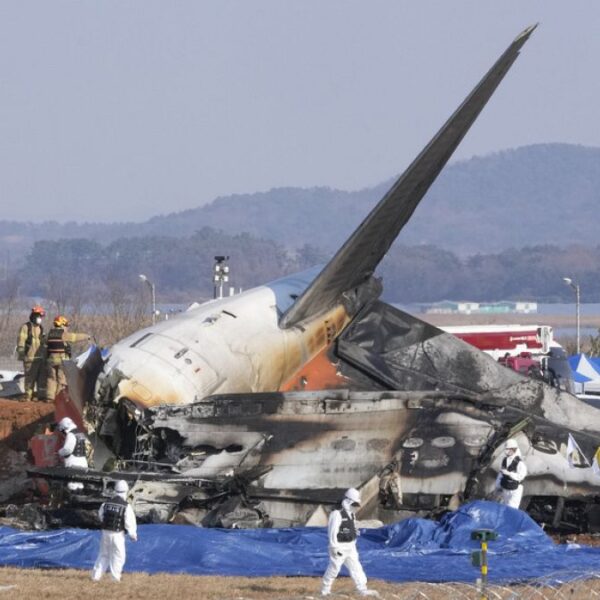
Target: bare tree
{"points": [[9, 314], [120, 310]]}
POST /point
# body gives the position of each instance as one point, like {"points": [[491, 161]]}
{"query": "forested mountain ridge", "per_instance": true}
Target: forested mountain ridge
{"points": [[540, 194], [543, 194]]}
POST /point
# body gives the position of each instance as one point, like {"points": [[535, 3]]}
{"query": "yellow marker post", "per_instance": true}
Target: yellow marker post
{"points": [[479, 557]]}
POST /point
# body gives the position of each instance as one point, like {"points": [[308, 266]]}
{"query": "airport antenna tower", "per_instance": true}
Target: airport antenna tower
{"points": [[220, 275]]}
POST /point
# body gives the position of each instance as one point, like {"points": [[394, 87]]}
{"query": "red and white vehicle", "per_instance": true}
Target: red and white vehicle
{"points": [[528, 349], [498, 340]]}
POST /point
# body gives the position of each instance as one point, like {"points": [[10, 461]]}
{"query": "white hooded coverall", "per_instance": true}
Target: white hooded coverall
{"points": [[512, 497], [112, 545], [342, 553], [71, 461]]}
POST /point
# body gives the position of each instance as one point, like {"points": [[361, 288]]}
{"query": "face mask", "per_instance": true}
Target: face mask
{"points": [[38, 320]]}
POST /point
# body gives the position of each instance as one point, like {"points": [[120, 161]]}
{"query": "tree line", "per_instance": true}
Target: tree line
{"points": [[431, 274], [74, 272], [99, 288]]}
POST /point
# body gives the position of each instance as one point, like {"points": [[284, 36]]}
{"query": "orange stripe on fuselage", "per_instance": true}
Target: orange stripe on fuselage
{"points": [[320, 373], [319, 370]]}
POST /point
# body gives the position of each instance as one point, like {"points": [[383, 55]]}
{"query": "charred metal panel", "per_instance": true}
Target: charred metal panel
{"points": [[557, 406], [325, 440], [81, 381], [335, 439], [405, 353], [428, 449]]}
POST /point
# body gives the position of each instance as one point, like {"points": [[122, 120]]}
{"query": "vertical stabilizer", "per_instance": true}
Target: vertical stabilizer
{"points": [[358, 258]]}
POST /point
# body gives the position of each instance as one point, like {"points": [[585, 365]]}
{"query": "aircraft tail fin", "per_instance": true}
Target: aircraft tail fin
{"points": [[357, 259]]}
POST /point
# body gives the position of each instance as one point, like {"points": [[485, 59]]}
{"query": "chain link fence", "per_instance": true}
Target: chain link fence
{"points": [[557, 586]]}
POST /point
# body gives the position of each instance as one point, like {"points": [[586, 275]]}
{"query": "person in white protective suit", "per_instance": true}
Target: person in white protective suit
{"points": [[342, 533], [74, 449], [509, 483], [117, 517]]}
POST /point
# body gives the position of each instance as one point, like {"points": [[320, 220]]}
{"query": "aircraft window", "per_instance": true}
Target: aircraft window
{"points": [[344, 444], [203, 410], [544, 444], [435, 463], [412, 443], [147, 335], [443, 442], [254, 409], [379, 445], [235, 409], [474, 440], [181, 353], [210, 450], [234, 448]]}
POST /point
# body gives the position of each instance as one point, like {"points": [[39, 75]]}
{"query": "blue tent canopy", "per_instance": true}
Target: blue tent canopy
{"points": [[584, 369], [579, 378]]}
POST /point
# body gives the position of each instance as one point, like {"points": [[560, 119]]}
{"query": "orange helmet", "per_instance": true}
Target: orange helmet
{"points": [[60, 321], [38, 310]]}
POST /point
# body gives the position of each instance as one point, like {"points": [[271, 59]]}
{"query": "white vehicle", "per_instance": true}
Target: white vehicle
{"points": [[11, 384]]}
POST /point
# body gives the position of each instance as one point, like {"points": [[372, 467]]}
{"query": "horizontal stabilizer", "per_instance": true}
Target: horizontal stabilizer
{"points": [[358, 258]]}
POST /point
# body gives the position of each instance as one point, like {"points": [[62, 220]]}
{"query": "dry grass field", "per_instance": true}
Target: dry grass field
{"points": [[37, 584], [66, 584]]}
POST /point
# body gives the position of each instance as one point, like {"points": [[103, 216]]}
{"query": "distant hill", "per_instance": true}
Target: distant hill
{"points": [[540, 194]]}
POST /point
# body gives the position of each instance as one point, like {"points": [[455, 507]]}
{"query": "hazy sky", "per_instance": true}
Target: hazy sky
{"points": [[121, 110]]}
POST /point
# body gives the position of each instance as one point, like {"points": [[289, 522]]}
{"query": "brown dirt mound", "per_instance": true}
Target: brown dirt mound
{"points": [[21, 420]]}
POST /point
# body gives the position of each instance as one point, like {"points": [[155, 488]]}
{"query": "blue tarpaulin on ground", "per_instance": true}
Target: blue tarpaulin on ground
{"points": [[411, 550]]}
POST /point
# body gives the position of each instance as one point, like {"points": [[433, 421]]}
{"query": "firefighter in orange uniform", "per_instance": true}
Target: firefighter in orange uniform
{"points": [[29, 350], [58, 348]]}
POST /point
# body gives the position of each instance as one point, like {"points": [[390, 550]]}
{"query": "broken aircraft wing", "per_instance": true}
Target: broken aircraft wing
{"points": [[357, 259]]}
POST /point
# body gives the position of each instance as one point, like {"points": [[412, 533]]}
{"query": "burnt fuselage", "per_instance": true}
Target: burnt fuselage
{"points": [[442, 448], [384, 402]]}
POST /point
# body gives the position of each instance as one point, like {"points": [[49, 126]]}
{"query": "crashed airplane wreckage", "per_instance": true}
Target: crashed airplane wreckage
{"points": [[261, 408]]}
